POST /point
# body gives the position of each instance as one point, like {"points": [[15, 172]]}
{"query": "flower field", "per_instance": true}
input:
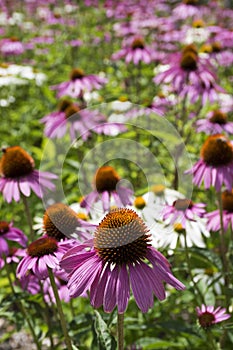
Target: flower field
{"points": [[116, 174]]}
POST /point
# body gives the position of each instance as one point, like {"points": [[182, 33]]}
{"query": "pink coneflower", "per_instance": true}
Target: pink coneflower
{"points": [[136, 52], [188, 72], [188, 8], [10, 233], [80, 122], [215, 123], [214, 219], [14, 255], [11, 46], [107, 185], [43, 253], [117, 262], [215, 167], [79, 83], [208, 316], [182, 210], [60, 222], [18, 175], [62, 289]]}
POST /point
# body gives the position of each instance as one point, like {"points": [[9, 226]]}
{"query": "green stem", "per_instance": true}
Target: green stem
{"points": [[21, 307], [223, 251], [120, 331], [196, 288], [60, 310], [48, 320], [29, 217], [210, 341]]}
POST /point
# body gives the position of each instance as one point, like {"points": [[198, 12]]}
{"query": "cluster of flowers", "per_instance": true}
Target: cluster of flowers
{"points": [[115, 253]]}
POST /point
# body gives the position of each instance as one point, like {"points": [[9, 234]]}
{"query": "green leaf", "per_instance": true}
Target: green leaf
{"points": [[106, 340]]}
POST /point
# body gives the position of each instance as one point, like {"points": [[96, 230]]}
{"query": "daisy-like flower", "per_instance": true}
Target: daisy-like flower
{"points": [[10, 233], [80, 122], [118, 261], [187, 71], [182, 210], [107, 185], [11, 46], [14, 255], [188, 8], [213, 218], [60, 222], [18, 175], [136, 52], [215, 123], [43, 253], [215, 167], [208, 316], [79, 83]]}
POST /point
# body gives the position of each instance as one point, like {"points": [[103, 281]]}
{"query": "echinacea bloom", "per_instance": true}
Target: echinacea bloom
{"points": [[214, 217], [14, 255], [188, 72], [79, 83], [10, 233], [107, 185], [11, 46], [183, 210], [136, 52], [208, 316], [60, 222], [188, 8], [46, 252], [215, 167], [80, 122], [118, 261], [18, 175], [215, 123]]}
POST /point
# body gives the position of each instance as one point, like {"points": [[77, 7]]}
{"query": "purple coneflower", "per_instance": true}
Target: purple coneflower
{"points": [[182, 210], [215, 167], [136, 52], [188, 8], [117, 262], [79, 83], [214, 219], [46, 252], [81, 122], [10, 233], [11, 46], [18, 175], [215, 123], [188, 72], [60, 222], [107, 185], [208, 316]]}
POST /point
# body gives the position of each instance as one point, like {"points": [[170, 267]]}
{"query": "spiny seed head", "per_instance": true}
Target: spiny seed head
{"points": [[227, 201], [106, 179], [121, 237], [63, 105], [138, 43], [77, 73], [217, 151], [206, 319], [188, 61], [158, 190], [4, 227], [16, 162], [42, 246], [198, 23], [59, 221], [191, 48], [218, 117], [216, 47], [182, 204], [206, 48], [178, 227], [139, 203], [71, 110]]}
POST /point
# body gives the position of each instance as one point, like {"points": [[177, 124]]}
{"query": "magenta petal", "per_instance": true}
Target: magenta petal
{"points": [[98, 288], [109, 301], [122, 290], [24, 187], [141, 289]]}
